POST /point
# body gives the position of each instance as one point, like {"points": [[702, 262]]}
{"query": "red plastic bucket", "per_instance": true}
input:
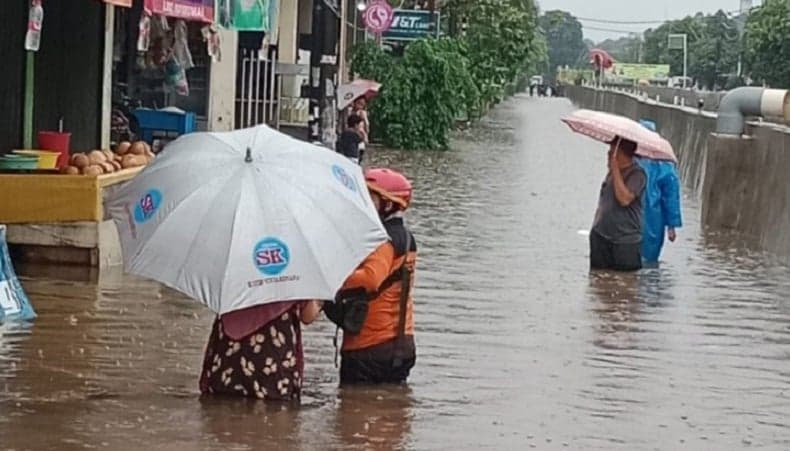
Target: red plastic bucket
{"points": [[56, 142]]}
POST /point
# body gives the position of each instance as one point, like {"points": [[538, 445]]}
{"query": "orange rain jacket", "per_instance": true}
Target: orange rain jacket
{"points": [[381, 324]]}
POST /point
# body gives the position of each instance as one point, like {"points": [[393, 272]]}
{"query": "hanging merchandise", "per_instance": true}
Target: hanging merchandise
{"points": [[176, 76], [212, 40], [244, 15], [161, 44], [181, 45], [34, 22], [144, 36], [198, 10], [162, 23]]}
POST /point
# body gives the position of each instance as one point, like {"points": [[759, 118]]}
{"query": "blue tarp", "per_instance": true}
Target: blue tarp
{"points": [[14, 303]]}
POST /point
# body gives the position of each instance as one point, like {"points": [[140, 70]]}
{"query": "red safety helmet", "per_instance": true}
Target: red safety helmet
{"points": [[391, 185]]}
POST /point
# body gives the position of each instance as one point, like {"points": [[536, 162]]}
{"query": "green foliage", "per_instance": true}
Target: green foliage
{"points": [[565, 40], [718, 52], [768, 43], [438, 81], [423, 92], [713, 46], [501, 42], [370, 61]]}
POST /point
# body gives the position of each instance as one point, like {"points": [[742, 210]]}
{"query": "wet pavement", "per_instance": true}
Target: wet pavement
{"points": [[519, 346]]}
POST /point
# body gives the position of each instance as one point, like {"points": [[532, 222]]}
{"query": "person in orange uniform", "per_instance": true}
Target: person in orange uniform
{"points": [[383, 350]]}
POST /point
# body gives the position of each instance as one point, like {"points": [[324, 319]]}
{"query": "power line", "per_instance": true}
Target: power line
{"points": [[638, 22], [611, 30], [621, 22]]}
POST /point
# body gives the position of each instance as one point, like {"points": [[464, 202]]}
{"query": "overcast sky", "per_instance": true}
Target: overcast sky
{"points": [[633, 10]]}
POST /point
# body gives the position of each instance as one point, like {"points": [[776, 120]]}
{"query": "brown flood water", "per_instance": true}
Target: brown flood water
{"points": [[519, 346]]}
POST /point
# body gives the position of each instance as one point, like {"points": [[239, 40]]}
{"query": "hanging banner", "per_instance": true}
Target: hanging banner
{"points": [[245, 15], [124, 3], [197, 10]]}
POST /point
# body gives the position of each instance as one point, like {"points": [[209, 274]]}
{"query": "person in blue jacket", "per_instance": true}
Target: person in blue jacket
{"points": [[661, 204]]}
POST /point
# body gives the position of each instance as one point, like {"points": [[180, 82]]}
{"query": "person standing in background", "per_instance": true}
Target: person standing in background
{"points": [[360, 108], [348, 144], [662, 209]]}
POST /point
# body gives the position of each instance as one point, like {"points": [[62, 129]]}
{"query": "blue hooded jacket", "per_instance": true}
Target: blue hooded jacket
{"points": [[661, 203]]}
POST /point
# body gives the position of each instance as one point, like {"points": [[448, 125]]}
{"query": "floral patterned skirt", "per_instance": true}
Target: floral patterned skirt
{"points": [[267, 364]]}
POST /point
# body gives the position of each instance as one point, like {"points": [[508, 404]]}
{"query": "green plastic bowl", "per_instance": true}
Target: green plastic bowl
{"points": [[18, 163]]}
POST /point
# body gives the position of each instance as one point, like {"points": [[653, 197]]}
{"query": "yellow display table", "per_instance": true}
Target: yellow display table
{"points": [[55, 218], [36, 198]]}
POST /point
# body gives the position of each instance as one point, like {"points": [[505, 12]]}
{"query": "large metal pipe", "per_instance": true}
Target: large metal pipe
{"points": [[749, 101]]}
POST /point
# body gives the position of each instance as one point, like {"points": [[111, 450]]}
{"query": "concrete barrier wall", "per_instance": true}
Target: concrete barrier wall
{"points": [[687, 97], [742, 183]]}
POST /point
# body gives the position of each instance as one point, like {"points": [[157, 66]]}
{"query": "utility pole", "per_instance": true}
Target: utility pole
{"points": [[323, 73], [685, 59]]}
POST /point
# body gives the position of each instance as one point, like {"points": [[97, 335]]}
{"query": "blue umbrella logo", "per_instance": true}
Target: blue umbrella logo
{"points": [[342, 176], [271, 256], [147, 206]]}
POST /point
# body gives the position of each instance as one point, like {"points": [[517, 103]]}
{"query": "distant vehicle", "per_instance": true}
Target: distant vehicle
{"points": [[536, 83], [677, 82]]}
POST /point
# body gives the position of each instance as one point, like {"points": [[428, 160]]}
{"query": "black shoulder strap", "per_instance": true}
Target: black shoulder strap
{"points": [[405, 276]]}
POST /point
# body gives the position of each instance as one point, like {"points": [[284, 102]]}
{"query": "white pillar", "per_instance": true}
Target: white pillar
{"points": [[106, 99], [222, 80]]}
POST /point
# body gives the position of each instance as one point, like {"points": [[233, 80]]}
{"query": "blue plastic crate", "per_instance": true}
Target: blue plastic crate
{"points": [[164, 123]]}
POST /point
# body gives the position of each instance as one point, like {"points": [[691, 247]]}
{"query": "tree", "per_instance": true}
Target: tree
{"points": [[656, 47], [565, 40], [767, 46], [627, 49], [716, 54], [501, 39]]}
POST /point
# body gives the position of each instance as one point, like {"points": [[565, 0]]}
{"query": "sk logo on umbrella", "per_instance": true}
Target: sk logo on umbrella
{"points": [[147, 206], [271, 256], [344, 178]]}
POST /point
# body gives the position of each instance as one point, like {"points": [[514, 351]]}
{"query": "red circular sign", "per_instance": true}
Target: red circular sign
{"points": [[378, 17]]}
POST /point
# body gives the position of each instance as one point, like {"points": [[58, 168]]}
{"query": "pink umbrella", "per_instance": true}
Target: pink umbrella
{"points": [[601, 59], [605, 127], [347, 93]]}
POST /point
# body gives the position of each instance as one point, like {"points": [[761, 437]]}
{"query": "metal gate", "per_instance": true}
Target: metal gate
{"points": [[257, 88]]}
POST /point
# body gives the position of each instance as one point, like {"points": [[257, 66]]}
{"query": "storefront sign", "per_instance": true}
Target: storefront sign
{"points": [[198, 10], [124, 3], [409, 24], [246, 15], [638, 72], [378, 17]]}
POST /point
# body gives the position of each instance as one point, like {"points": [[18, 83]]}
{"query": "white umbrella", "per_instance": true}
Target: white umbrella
{"points": [[347, 93], [247, 217]]}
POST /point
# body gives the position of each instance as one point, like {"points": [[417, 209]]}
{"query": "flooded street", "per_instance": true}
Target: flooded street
{"points": [[518, 345]]}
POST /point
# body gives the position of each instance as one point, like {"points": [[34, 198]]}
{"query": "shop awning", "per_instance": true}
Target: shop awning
{"points": [[197, 10]]}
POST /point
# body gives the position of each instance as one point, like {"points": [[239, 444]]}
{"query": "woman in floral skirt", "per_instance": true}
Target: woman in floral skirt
{"points": [[257, 352]]}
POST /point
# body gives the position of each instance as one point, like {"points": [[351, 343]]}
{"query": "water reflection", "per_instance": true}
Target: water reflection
{"points": [[519, 346], [374, 418]]}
